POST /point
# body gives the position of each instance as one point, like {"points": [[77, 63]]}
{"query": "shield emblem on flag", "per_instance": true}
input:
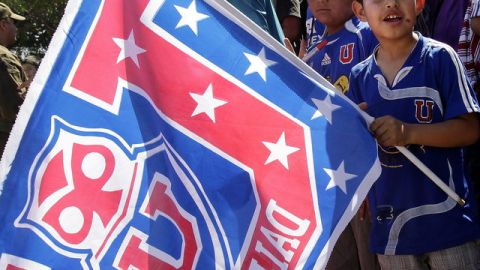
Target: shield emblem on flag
{"points": [[86, 184]]}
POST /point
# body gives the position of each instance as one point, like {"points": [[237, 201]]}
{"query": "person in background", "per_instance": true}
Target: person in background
{"points": [[291, 14], [30, 65], [262, 12], [419, 95], [444, 19], [468, 45], [469, 53], [12, 77], [340, 42], [343, 41]]}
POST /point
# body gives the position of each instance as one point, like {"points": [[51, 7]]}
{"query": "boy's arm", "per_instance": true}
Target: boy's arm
{"points": [[459, 131]]}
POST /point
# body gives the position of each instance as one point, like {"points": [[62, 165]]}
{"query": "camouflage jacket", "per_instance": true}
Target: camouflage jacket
{"points": [[11, 97]]}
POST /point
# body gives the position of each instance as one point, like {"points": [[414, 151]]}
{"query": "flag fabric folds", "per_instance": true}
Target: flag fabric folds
{"points": [[169, 134]]}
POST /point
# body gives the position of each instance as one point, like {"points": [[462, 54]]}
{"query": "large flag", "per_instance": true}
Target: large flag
{"points": [[176, 134]]}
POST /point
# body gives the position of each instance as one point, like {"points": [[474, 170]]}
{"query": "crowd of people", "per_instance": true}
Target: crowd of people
{"points": [[414, 65]]}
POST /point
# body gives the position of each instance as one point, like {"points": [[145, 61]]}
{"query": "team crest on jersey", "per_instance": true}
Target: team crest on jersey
{"points": [[424, 110], [346, 53]]}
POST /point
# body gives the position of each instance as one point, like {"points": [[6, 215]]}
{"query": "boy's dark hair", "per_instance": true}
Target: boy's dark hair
{"points": [[360, 1]]}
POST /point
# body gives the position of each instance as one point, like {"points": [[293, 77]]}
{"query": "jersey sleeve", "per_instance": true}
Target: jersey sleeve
{"points": [[456, 92]]}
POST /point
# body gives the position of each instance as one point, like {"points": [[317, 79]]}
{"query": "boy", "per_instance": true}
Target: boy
{"points": [[341, 42], [417, 90], [344, 42]]}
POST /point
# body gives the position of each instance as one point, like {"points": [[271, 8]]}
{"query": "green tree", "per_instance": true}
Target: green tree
{"points": [[43, 17]]}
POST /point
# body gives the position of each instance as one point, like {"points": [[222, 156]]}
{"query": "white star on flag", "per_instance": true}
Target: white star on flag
{"points": [[324, 108], [128, 49], [259, 64], [190, 17], [206, 103], [280, 151], [339, 178]]}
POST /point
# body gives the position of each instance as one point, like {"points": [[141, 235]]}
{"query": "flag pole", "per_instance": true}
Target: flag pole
{"points": [[431, 175], [419, 164]]}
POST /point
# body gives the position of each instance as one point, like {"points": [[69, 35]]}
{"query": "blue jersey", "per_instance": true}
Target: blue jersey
{"points": [[333, 56], [410, 214]]}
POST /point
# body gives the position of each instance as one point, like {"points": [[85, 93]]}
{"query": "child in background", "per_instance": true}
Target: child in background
{"points": [[469, 53], [417, 89], [344, 42], [340, 42]]}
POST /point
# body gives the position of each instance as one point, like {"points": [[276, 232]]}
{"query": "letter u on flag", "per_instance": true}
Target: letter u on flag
{"points": [[175, 134]]}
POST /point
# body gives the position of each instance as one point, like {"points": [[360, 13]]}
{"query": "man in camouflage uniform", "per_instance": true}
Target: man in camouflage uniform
{"points": [[12, 77]]}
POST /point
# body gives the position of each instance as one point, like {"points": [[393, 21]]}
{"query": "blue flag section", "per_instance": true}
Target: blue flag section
{"points": [[176, 134]]}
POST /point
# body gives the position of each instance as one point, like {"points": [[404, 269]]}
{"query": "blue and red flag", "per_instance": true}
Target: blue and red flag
{"points": [[176, 134]]}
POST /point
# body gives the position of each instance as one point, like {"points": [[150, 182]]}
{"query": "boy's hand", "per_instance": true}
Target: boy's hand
{"points": [[303, 47], [363, 106], [389, 131]]}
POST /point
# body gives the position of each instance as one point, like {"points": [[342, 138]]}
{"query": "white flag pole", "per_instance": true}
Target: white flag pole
{"points": [[419, 164], [431, 175]]}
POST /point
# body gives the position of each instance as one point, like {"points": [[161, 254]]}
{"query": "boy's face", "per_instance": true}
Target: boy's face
{"points": [[391, 19], [332, 13]]}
